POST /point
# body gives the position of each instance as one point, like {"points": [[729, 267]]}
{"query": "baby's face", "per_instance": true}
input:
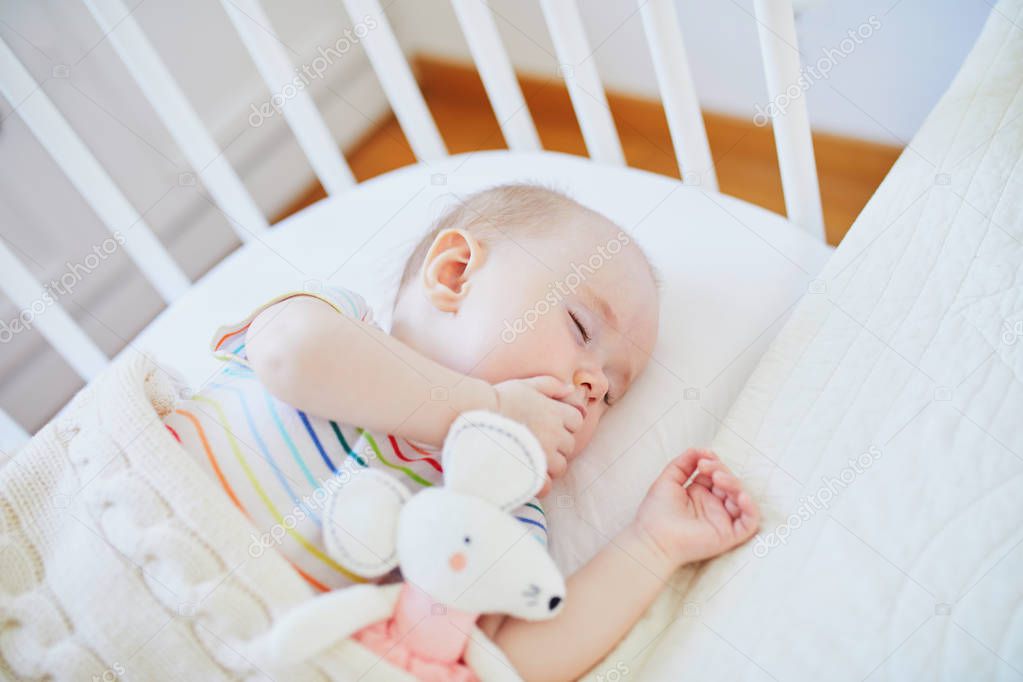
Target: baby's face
{"points": [[581, 305]]}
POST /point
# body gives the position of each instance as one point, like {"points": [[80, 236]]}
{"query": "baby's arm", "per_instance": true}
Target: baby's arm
{"points": [[334, 366], [313, 358], [674, 525], [604, 599]]}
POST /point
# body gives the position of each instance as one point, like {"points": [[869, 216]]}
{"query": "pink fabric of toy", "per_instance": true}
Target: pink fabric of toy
{"points": [[422, 637]]}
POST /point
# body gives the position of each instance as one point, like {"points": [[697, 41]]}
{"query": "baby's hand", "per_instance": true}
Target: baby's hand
{"points": [[710, 516], [536, 403]]}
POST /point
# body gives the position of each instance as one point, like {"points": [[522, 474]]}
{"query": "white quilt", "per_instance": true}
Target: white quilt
{"points": [[883, 434]]}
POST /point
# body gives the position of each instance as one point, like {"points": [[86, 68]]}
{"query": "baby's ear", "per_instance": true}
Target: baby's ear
{"points": [[494, 458], [449, 264], [360, 522]]}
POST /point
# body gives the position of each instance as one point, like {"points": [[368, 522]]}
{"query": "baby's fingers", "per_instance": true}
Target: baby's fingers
{"points": [[566, 446], [749, 516], [727, 488], [570, 416], [737, 502], [557, 464], [725, 480], [705, 469], [550, 386], [689, 460], [546, 486]]}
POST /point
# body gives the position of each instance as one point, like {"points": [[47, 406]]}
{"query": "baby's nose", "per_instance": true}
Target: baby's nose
{"points": [[593, 385], [584, 392]]}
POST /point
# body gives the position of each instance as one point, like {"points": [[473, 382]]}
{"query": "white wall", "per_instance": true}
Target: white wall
{"points": [[882, 90]]}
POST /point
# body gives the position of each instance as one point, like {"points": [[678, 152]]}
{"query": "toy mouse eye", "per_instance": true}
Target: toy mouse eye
{"points": [[467, 540]]}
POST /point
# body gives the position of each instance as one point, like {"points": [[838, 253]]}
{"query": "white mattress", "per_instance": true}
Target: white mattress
{"points": [[909, 355]]}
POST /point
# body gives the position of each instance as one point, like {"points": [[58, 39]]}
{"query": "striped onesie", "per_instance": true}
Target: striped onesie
{"points": [[277, 463]]}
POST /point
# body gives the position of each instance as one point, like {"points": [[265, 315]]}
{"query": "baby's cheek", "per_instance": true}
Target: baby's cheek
{"points": [[497, 366], [525, 355]]}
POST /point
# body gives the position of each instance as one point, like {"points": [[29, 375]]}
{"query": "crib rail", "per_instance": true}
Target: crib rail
{"points": [[780, 55], [583, 82], [178, 116], [303, 118], [12, 436], [396, 77], [678, 93], [53, 322], [497, 74], [577, 67], [88, 177]]}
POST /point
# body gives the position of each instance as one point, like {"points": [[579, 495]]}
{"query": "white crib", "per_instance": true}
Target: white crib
{"points": [[781, 67]]}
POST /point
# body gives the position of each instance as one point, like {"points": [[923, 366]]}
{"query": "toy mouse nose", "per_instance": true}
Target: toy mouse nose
{"points": [[553, 604], [457, 561]]}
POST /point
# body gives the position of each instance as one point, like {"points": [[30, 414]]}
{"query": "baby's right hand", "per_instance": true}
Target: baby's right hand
{"points": [[536, 403]]}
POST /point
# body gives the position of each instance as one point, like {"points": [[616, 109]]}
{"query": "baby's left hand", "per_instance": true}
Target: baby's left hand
{"points": [[710, 516]]}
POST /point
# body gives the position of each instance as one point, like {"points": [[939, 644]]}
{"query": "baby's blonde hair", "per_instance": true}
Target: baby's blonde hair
{"points": [[526, 209]]}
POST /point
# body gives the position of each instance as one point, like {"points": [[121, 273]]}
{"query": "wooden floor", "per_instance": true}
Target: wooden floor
{"points": [[849, 170]]}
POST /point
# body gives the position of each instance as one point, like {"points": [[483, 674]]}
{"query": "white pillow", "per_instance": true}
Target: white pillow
{"points": [[730, 272]]}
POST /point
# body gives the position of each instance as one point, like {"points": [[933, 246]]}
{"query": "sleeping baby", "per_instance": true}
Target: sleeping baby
{"points": [[485, 318]]}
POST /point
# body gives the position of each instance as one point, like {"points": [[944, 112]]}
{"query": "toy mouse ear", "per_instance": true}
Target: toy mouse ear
{"points": [[493, 457], [360, 522]]}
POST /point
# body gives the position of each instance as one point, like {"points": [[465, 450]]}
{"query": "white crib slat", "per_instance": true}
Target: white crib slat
{"points": [[88, 176], [397, 81], [498, 76], [44, 313], [299, 110], [777, 29], [12, 436], [178, 116], [678, 93], [583, 81]]}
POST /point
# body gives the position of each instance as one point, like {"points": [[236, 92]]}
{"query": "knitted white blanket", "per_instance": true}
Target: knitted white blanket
{"points": [[121, 559]]}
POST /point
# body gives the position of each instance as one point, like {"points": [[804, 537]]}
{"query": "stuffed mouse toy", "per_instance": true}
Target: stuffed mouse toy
{"points": [[460, 550]]}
